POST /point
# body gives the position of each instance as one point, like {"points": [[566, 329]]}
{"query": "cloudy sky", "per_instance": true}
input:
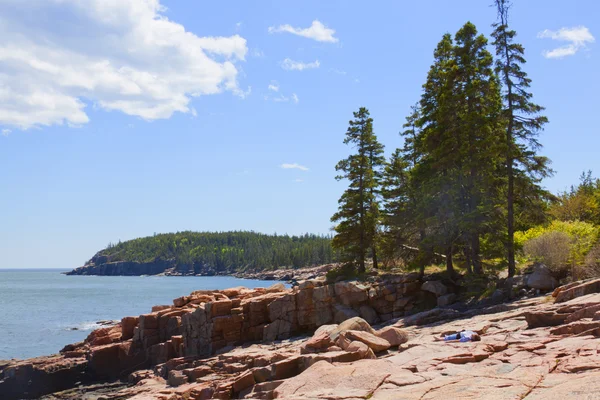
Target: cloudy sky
{"points": [[121, 118]]}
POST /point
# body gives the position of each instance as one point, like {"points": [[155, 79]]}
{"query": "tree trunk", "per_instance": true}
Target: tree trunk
{"points": [[449, 264], [467, 252], [423, 255], [375, 265], [361, 258], [475, 256], [510, 242], [510, 218]]}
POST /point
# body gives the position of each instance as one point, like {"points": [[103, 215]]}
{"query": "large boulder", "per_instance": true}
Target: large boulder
{"points": [[446, 300], [542, 278], [435, 287], [278, 287], [375, 343], [360, 348], [395, 336], [352, 324], [326, 328], [320, 341]]}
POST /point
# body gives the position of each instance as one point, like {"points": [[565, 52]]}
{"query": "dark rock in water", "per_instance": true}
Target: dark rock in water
{"points": [[107, 322]]}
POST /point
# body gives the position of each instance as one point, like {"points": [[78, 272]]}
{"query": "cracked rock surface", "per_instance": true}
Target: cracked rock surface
{"points": [[221, 345], [512, 361]]}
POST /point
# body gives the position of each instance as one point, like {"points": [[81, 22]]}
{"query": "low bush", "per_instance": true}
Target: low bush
{"points": [[552, 243], [591, 266], [345, 271], [553, 249]]}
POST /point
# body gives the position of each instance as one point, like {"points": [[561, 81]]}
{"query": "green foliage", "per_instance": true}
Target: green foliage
{"points": [[344, 271], [358, 212], [581, 203], [523, 121], [442, 191], [583, 236], [227, 251]]}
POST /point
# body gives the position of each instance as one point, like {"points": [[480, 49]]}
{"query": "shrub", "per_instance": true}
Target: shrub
{"points": [[591, 266], [553, 249], [583, 236], [346, 271]]}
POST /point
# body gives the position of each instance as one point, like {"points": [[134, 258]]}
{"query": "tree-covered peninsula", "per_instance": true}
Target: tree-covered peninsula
{"points": [[209, 253]]}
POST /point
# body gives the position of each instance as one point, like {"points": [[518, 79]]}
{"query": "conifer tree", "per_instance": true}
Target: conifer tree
{"points": [[522, 119], [358, 210], [399, 214], [437, 172], [480, 142], [377, 162]]}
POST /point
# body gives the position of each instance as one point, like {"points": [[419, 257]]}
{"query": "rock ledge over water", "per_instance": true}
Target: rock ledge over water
{"points": [[346, 340]]}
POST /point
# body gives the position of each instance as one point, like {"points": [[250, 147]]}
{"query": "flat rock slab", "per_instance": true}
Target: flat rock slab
{"points": [[327, 381]]}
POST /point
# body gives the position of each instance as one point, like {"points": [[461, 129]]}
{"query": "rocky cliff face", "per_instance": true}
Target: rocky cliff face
{"points": [[199, 325], [242, 343]]}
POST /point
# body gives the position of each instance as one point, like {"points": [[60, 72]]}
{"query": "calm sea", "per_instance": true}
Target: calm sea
{"points": [[42, 310]]}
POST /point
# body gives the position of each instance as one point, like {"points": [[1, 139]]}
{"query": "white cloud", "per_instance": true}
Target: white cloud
{"points": [[317, 31], [337, 71], [284, 99], [292, 65], [294, 166], [298, 180], [274, 86], [121, 55], [257, 53], [577, 38], [6, 132]]}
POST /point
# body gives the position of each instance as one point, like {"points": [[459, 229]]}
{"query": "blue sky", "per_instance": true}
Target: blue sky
{"points": [[119, 119]]}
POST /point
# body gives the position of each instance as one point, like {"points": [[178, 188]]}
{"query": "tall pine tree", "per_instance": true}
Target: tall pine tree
{"points": [[523, 121], [437, 174], [480, 145], [358, 214]]}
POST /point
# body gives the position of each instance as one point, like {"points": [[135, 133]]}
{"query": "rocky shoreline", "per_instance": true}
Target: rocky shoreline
{"points": [[348, 340], [101, 265]]}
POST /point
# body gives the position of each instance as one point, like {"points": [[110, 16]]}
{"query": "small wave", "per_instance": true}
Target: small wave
{"points": [[90, 326]]}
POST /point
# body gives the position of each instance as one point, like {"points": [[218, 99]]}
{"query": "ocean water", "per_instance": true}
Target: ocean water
{"points": [[43, 310]]}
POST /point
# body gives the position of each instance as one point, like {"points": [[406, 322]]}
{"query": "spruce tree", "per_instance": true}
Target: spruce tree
{"points": [[480, 145], [437, 174], [377, 162], [358, 209], [416, 212], [399, 207], [523, 121]]}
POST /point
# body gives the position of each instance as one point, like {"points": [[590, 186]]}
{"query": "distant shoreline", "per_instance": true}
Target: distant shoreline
{"points": [[34, 269]]}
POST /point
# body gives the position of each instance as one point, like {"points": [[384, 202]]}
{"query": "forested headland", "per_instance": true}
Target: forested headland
{"points": [[210, 253], [465, 187]]}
